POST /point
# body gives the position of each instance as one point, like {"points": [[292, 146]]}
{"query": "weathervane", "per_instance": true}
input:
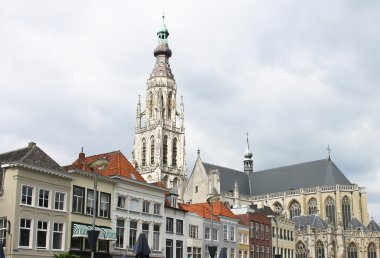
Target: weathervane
{"points": [[329, 151]]}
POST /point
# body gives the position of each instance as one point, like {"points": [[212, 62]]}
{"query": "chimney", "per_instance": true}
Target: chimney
{"points": [[81, 157], [31, 145]]}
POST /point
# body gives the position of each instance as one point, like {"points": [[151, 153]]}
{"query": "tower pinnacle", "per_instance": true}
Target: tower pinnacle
{"points": [[248, 162]]}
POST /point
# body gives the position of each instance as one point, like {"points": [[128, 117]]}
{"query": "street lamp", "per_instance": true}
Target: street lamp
{"points": [[93, 234], [211, 200]]}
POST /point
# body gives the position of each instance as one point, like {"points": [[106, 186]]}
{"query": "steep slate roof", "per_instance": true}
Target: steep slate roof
{"points": [[309, 174], [204, 210], [313, 220], [355, 224], [118, 165], [228, 177], [373, 226], [32, 156]]}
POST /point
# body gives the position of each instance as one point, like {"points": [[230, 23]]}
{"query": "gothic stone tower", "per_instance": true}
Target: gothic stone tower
{"points": [[159, 145]]}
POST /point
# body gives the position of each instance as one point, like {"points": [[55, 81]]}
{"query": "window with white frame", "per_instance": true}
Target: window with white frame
{"points": [[104, 205], [207, 234], [42, 234], [245, 238], [240, 253], [25, 234], [134, 204], [169, 248], [145, 229], [60, 201], [179, 226], [193, 231], [146, 206], [215, 234], [78, 199], [157, 208], [232, 233], [156, 237], [120, 233], [90, 202], [267, 231], [132, 234], [179, 249], [241, 238], [262, 230], [232, 253], [225, 232], [27, 195], [43, 198], [3, 230], [252, 251], [169, 225], [58, 235], [257, 230], [252, 230], [121, 202]]}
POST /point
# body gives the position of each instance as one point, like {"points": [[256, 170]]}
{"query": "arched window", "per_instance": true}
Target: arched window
{"points": [[162, 107], [313, 208], [301, 251], [143, 153], [166, 181], [330, 210], [295, 209], [351, 251], [175, 182], [278, 208], [174, 153], [150, 105], [371, 250], [320, 250], [165, 151], [152, 150], [169, 106], [346, 210]]}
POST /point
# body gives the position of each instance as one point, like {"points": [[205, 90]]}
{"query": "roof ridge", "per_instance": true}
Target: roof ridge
{"points": [[8, 152], [221, 167], [292, 165], [106, 153], [31, 149]]}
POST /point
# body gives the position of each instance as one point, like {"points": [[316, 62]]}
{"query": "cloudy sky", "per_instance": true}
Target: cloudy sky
{"points": [[297, 75]]}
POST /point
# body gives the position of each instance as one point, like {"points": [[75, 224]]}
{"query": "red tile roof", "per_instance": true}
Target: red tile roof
{"points": [[118, 165], [204, 210]]}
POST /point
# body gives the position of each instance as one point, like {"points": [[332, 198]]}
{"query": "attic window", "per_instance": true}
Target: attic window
{"points": [[196, 189]]}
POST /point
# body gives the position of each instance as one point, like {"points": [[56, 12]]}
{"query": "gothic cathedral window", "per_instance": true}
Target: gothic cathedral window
{"points": [[313, 208], [165, 151], [295, 209], [352, 251], [301, 251], [346, 210], [320, 250], [371, 250], [143, 153], [330, 210], [169, 108], [174, 153], [152, 150], [150, 105], [278, 208]]}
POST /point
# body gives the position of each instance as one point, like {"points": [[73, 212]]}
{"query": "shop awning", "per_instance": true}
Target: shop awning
{"points": [[80, 230], [110, 234]]}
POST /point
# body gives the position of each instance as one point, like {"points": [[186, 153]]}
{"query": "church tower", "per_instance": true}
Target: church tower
{"points": [[159, 145]]}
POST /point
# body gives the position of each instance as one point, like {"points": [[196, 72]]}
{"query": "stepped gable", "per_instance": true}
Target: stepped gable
{"points": [[31, 156], [303, 175], [228, 177], [204, 210], [118, 165]]}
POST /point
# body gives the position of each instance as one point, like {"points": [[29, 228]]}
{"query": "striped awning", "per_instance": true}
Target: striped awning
{"points": [[80, 230], [110, 234]]}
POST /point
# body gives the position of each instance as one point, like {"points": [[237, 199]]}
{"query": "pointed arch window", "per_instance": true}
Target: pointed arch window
{"points": [[169, 106], [313, 207], [174, 153], [330, 210], [352, 251], [165, 151], [143, 153], [320, 250], [150, 105], [278, 208], [295, 209], [346, 210], [152, 150], [371, 250], [301, 251]]}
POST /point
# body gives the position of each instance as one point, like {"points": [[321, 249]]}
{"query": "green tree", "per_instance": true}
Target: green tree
{"points": [[66, 255]]}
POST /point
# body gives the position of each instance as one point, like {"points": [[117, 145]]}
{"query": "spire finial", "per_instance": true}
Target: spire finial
{"points": [[247, 139], [329, 151], [163, 17], [199, 152], [81, 150]]}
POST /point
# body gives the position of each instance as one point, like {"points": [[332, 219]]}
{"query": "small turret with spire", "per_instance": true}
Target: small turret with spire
{"points": [[248, 162]]}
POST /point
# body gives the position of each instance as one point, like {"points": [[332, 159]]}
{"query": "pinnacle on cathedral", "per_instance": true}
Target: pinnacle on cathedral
{"points": [[159, 145]]}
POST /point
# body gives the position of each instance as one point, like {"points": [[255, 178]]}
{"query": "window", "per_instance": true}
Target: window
{"points": [[121, 202], [169, 248], [330, 210], [105, 205], [278, 208], [134, 204], [165, 151], [174, 153], [240, 238], [132, 233], [295, 209], [346, 208], [301, 251], [179, 227], [262, 231], [143, 153], [225, 232], [27, 195], [208, 254], [232, 233], [352, 251], [3, 230], [169, 225], [145, 207], [2, 175], [90, 202], [58, 236], [257, 251], [267, 232], [60, 201], [262, 251], [215, 234], [42, 234], [102, 245], [371, 250], [120, 233], [152, 150], [245, 238], [207, 233], [156, 237], [145, 229], [193, 231], [240, 254], [157, 208], [313, 207], [196, 189], [78, 197], [252, 251], [257, 230], [25, 233], [252, 230], [232, 253], [179, 249], [320, 250], [43, 198]]}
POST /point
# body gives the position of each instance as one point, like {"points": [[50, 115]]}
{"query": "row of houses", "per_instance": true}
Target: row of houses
{"points": [[47, 209]]}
